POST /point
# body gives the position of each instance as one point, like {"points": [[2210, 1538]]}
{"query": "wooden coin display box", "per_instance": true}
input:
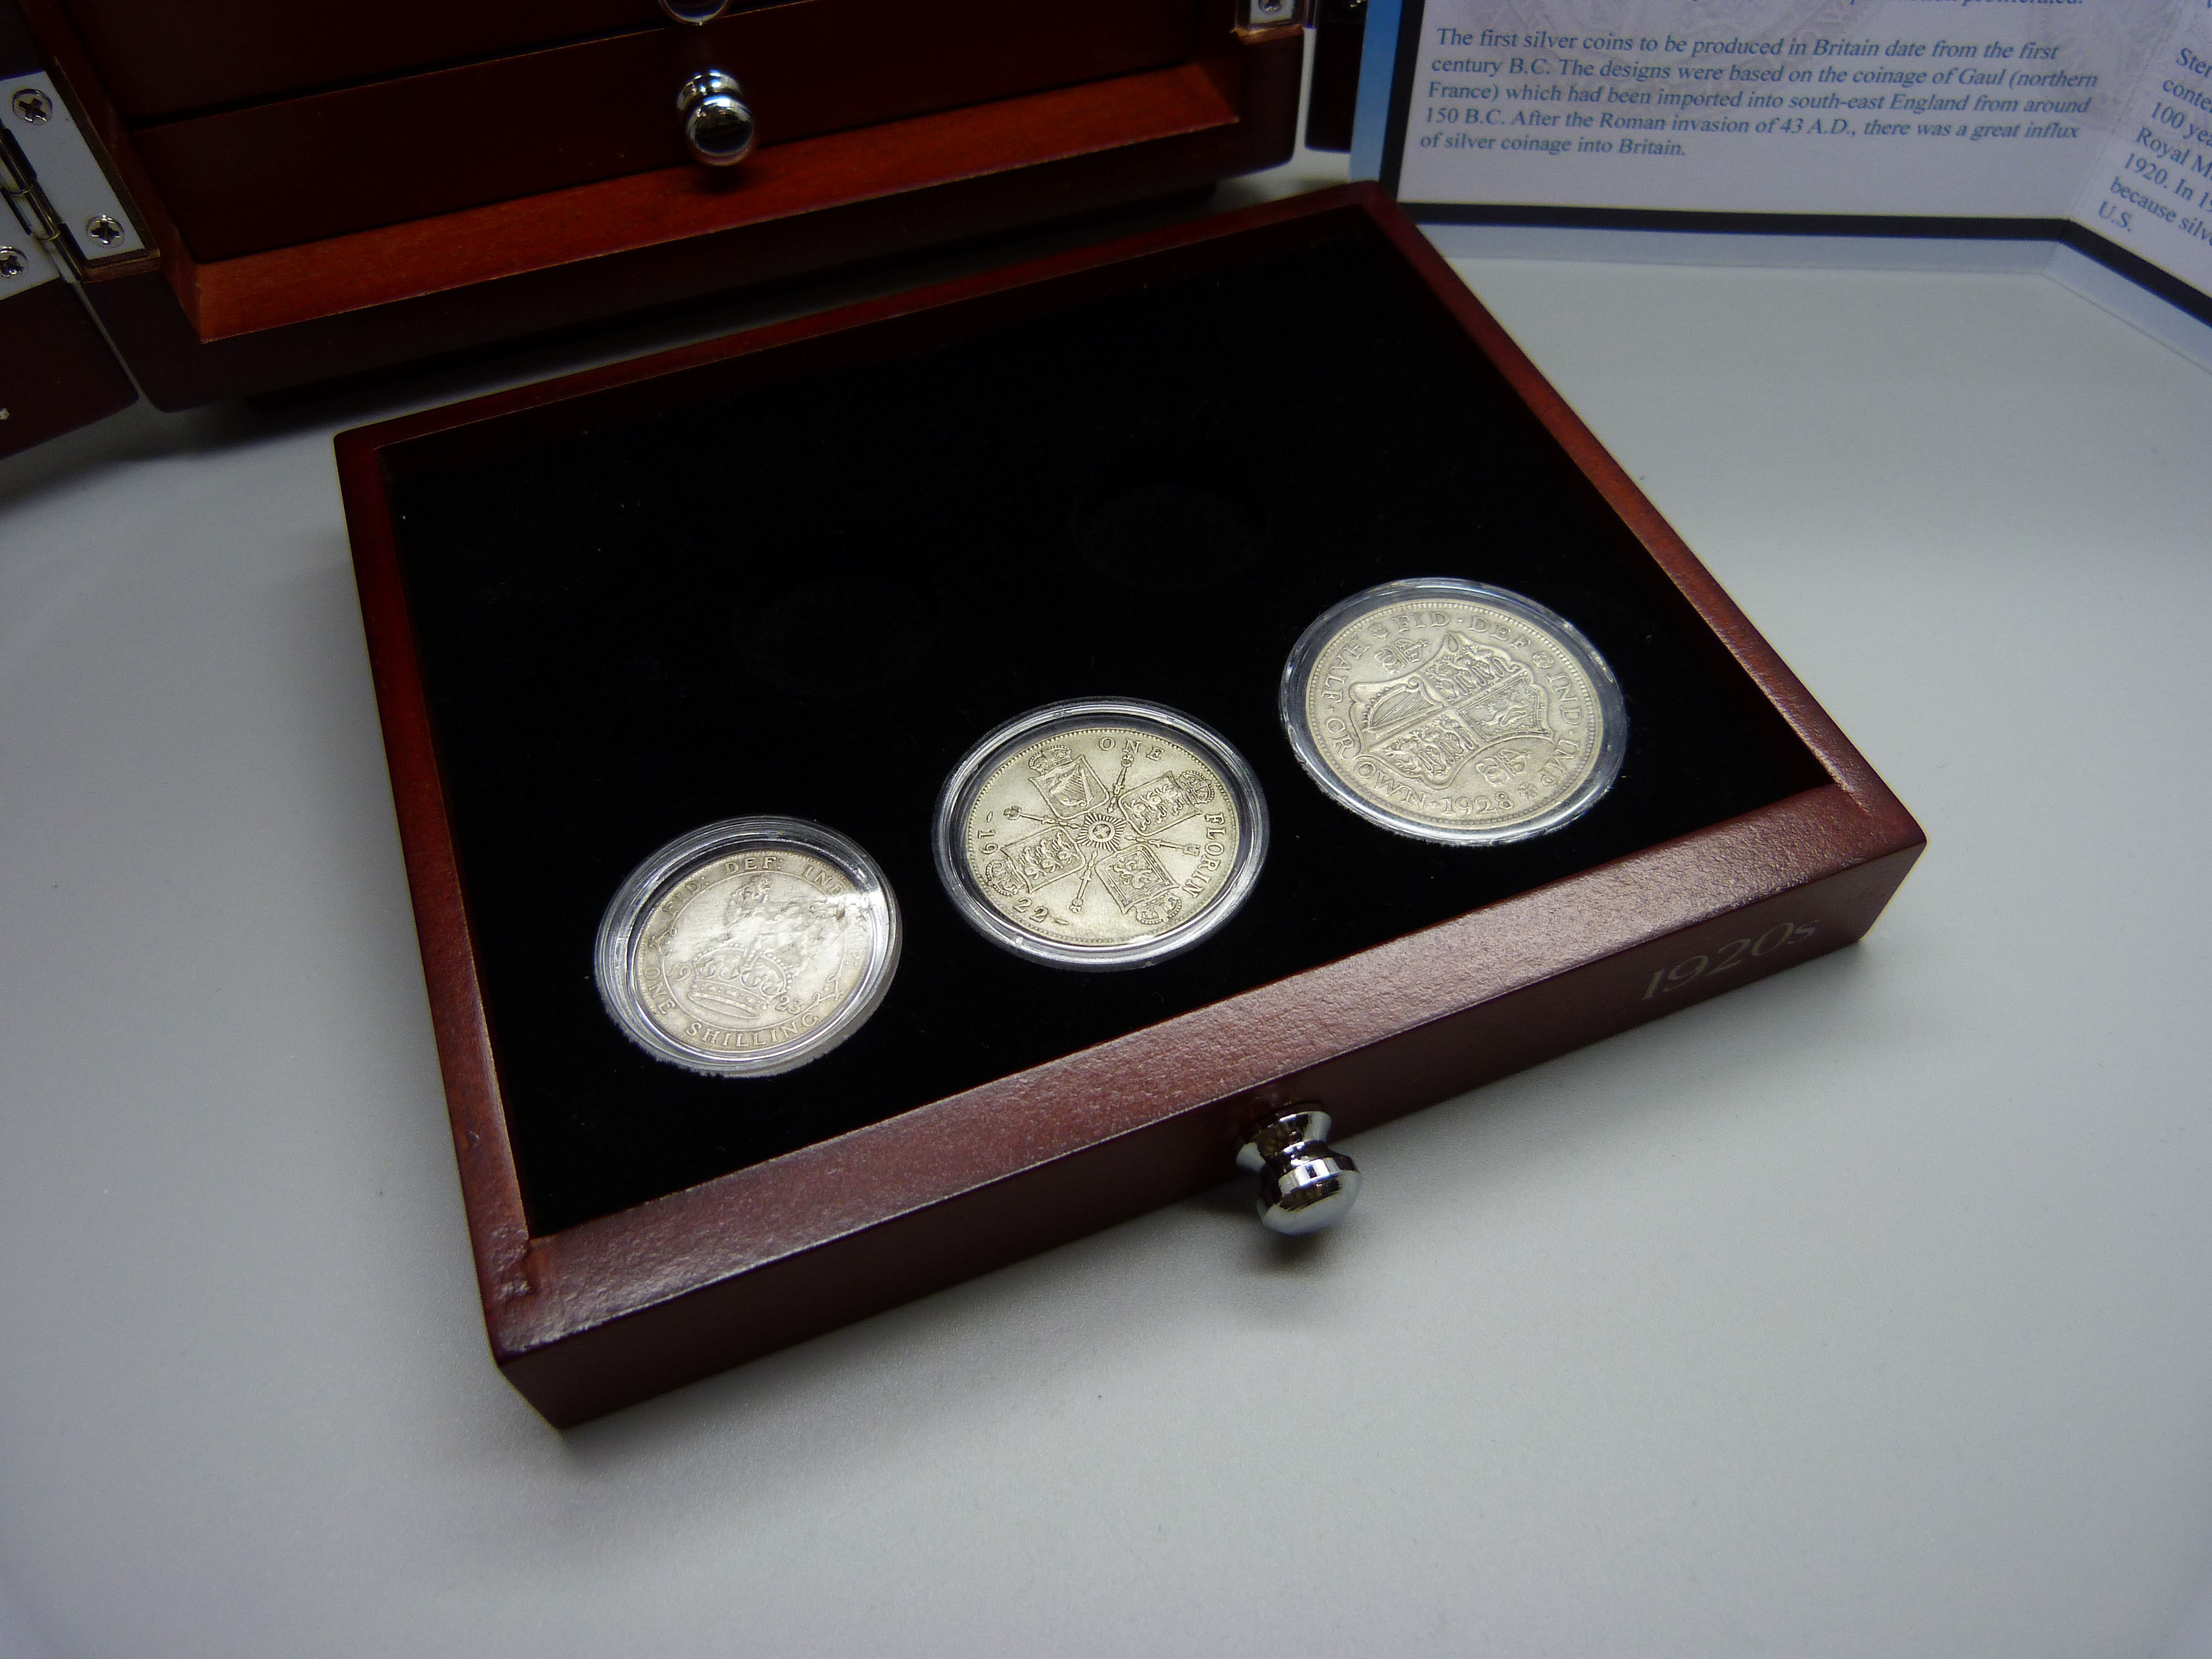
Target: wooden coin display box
{"points": [[800, 570]]}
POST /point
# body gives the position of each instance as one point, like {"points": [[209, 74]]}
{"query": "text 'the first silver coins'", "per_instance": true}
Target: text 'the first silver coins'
{"points": [[1100, 833], [748, 947], [1454, 711]]}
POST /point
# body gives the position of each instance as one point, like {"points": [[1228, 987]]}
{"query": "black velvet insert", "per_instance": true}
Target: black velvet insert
{"points": [[810, 600]]}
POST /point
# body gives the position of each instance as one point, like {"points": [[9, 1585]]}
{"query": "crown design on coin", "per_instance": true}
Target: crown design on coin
{"points": [[775, 954], [748, 947], [1462, 703]]}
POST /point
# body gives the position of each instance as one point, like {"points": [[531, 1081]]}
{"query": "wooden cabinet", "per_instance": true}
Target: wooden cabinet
{"points": [[162, 59], [293, 169], [325, 191]]}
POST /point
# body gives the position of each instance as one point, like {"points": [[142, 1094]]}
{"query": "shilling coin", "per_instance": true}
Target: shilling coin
{"points": [[1454, 711], [1100, 834], [748, 947]]}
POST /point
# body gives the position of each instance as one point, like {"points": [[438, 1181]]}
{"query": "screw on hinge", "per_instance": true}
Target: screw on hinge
{"points": [[103, 229], [12, 262], [32, 105]]}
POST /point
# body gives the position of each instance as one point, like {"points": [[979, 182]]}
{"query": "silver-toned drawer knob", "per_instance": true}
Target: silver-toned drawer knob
{"points": [[718, 123], [695, 12], [1304, 1185]]}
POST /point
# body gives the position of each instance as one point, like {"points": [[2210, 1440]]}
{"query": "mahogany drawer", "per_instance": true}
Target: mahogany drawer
{"points": [[165, 57], [300, 169]]}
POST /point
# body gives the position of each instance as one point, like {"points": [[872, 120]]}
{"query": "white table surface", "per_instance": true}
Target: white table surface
{"points": [[1862, 1311]]}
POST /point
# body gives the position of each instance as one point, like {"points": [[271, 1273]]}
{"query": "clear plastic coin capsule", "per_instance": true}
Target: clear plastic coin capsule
{"points": [[1454, 711], [1102, 833], [749, 947]]}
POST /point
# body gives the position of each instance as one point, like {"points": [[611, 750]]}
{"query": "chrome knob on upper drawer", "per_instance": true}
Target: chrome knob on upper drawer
{"points": [[695, 11], [718, 123]]}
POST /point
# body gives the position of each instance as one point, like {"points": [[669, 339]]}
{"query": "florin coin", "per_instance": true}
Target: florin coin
{"points": [[749, 947], [1454, 711], [1102, 835]]}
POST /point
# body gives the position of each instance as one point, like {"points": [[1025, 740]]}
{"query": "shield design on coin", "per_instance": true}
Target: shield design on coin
{"points": [[1032, 862], [1466, 699], [1166, 801], [1066, 781], [1140, 885]]}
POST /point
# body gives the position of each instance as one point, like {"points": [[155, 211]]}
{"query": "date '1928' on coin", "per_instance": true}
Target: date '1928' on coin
{"points": [[1454, 713]]}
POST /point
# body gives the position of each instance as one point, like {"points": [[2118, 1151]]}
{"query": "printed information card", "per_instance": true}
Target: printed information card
{"points": [[2034, 114]]}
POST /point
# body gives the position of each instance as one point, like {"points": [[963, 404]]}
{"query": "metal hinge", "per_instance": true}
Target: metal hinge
{"points": [[25, 262], [29, 208], [1264, 16], [60, 193]]}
